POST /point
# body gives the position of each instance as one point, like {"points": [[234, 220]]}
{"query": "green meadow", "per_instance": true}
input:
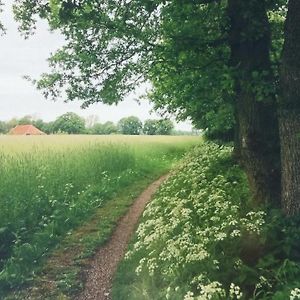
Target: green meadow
{"points": [[50, 185]]}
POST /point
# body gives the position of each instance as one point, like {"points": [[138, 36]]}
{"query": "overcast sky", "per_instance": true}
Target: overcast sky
{"points": [[18, 97]]}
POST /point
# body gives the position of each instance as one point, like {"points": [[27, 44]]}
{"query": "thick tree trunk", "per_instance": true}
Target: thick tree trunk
{"points": [[289, 120], [257, 137], [290, 161]]}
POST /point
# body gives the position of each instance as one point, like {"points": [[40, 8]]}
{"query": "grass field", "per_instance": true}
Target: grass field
{"points": [[51, 184]]}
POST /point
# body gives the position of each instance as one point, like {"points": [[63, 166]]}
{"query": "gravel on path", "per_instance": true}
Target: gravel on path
{"points": [[99, 276]]}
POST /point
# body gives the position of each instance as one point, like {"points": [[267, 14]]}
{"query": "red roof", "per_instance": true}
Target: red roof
{"points": [[25, 130]]}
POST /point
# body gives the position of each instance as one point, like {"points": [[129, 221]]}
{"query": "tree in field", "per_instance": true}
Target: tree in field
{"points": [[164, 127], [12, 123], [97, 128], [158, 127], [106, 128], [3, 127], [48, 127], [109, 128], [40, 124], [130, 125], [150, 127], [69, 123]]}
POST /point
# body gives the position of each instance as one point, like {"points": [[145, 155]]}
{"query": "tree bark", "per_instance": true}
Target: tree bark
{"points": [[290, 161], [289, 120], [257, 136]]}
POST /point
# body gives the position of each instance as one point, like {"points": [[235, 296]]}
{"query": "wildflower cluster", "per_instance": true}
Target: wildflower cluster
{"points": [[191, 235]]}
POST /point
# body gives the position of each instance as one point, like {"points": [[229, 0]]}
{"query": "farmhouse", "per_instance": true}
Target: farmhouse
{"points": [[25, 130]]}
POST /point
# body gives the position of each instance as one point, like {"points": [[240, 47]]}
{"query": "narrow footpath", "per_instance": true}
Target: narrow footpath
{"points": [[104, 264]]}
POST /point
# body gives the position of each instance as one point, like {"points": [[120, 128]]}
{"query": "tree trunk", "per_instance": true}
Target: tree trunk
{"points": [[257, 137], [289, 120], [290, 161]]}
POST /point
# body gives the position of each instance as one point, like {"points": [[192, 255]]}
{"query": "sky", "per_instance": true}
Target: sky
{"points": [[18, 97]]}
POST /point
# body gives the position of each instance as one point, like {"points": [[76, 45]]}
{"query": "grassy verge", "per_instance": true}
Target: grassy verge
{"points": [[61, 275], [200, 238]]}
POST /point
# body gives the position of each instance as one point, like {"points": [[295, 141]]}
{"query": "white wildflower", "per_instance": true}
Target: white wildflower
{"points": [[295, 294], [235, 292], [189, 296]]}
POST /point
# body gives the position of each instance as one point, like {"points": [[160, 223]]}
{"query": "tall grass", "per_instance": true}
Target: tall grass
{"points": [[49, 185]]}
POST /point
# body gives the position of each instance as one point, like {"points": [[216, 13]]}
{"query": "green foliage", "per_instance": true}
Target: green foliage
{"points": [[12, 123], [46, 191], [69, 123], [106, 70], [106, 128], [158, 127], [200, 239], [193, 78], [150, 127], [221, 125], [164, 127], [43, 126], [3, 127], [130, 125]]}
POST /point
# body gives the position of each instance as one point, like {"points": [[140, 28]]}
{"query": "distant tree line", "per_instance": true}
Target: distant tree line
{"points": [[71, 123]]}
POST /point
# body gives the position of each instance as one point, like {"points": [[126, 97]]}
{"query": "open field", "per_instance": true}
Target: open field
{"points": [[57, 142], [51, 184]]}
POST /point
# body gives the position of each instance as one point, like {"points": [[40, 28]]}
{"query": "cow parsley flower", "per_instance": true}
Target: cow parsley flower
{"points": [[295, 294]]}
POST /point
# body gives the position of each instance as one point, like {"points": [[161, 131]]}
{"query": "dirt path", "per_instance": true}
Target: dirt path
{"points": [[104, 264]]}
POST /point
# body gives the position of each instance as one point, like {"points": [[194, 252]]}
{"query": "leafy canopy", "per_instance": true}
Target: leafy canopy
{"points": [[158, 127], [69, 123], [112, 46], [130, 125]]}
